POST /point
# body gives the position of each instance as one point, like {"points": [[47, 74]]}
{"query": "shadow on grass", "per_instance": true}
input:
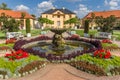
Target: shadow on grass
{"points": [[2, 37]]}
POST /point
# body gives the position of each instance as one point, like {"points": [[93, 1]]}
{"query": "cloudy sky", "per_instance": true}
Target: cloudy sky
{"points": [[80, 7]]}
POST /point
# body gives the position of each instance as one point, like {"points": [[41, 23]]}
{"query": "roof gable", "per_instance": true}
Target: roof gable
{"points": [[65, 11], [58, 12], [15, 14], [105, 14]]}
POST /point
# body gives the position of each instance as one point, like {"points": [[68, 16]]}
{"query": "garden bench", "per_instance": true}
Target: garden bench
{"points": [[73, 32], [43, 32], [104, 35], [16, 35]]}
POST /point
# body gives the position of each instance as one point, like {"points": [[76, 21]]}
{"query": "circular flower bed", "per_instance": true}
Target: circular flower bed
{"points": [[62, 58]]}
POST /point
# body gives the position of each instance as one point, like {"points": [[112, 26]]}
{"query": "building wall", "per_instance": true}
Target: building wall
{"points": [[58, 17], [24, 23]]}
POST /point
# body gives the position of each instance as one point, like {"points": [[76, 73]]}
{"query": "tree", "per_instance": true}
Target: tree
{"points": [[4, 6], [71, 21], [106, 24], [22, 19], [28, 29], [33, 15], [86, 28], [45, 20], [9, 24]]}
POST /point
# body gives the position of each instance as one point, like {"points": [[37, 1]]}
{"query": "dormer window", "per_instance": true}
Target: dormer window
{"points": [[58, 12], [58, 16]]}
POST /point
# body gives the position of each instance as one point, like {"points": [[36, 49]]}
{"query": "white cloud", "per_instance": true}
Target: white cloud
{"points": [[43, 6], [98, 6], [112, 4], [82, 10], [22, 8], [106, 2]]}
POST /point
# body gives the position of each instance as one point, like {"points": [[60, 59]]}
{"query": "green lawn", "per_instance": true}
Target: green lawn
{"points": [[33, 32], [117, 34], [93, 32], [81, 32], [9, 45], [36, 32]]}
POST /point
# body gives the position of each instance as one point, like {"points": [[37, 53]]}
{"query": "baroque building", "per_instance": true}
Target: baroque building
{"points": [[58, 16]]}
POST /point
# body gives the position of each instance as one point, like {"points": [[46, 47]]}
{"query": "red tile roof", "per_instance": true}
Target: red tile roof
{"points": [[15, 14], [105, 14]]}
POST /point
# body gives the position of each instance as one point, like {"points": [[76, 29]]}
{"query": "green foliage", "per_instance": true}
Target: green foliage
{"points": [[71, 21], [28, 29], [105, 24], [12, 66], [9, 45], [4, 6], [86, 27], [45, 20], [106, 64], [23, 15], [109, 45], [9, 24]]}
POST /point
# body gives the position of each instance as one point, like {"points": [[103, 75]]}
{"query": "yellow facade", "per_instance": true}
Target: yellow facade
{"points": [[58, 17]]}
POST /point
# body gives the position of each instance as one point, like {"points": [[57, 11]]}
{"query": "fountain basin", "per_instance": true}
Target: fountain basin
{"points": [[45, 46]]}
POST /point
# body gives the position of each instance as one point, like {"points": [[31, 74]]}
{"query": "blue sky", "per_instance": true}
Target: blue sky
{"points": [[80, 7]]}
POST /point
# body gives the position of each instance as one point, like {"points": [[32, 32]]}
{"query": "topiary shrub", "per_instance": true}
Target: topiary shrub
{"points": [[86, 27], [28, 29]]}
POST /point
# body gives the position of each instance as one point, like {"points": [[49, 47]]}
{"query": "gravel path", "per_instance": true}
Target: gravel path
{"points": [[63, 72], [51, 72]]}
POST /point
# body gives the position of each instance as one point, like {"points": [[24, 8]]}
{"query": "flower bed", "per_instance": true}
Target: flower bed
{"points": [[31, 67], [97, 66], [11, 40], [105, 54], [10, 68], [16, 55], [53, 58], [106, 41], [110, 47]]}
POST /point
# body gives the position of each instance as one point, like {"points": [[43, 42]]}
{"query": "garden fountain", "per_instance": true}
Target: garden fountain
{"points": [[57, 46], [58, 40]]}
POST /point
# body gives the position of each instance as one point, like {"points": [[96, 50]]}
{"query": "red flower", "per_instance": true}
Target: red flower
{"points": [[102, 54], [17, 55], [106, 41]]}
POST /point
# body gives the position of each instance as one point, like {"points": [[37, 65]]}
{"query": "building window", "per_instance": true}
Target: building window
{"points": [[64, 16], [52, 16], [58, 23], [58, 16], [58, 12], [46, 16], [70, 16]]}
